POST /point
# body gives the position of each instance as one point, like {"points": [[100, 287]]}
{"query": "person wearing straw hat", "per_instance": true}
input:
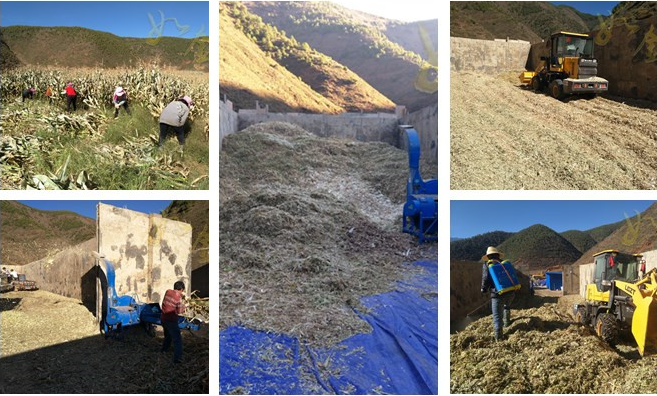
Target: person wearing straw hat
{"points": [[174, 116], [500, 302], [120, 98]]}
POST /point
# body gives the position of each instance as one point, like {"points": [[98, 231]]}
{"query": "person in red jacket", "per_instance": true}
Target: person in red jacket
{"points": [[71, 97], [172, 306]]}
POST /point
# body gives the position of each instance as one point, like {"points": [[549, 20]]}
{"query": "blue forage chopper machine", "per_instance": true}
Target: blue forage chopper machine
{"points": [[421, 207], [124, 311]]}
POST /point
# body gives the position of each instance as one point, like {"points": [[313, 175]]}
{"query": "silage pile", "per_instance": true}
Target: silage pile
{"points": [[51, 344], [308, 225], [546, 352]]}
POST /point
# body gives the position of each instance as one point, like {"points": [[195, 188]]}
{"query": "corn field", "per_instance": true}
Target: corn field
{"points": [[38, 140]]}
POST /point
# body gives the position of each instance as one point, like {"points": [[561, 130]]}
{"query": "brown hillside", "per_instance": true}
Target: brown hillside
{"points": [[324, 75], [8, 59], [197, 214], [81, 47], [30, 234], [638, 234], [408, 36], [531, 21], [247, 74], [341, 34]]}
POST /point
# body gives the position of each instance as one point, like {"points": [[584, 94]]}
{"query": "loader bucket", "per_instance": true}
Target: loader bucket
{"points": [[644, 323], [526, 77]]}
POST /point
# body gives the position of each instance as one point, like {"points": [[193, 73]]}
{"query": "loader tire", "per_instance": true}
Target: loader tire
{"points": [[556, 90], [580, 315], [537, 86], [606, 328]]}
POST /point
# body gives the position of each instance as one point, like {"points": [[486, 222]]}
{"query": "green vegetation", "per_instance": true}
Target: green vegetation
{"points": [[472, 249], [538, 247], [582, 240], [43, 147]]}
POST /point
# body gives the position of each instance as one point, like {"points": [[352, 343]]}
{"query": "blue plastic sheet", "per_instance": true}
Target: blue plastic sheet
{"points": [[399, 356]]}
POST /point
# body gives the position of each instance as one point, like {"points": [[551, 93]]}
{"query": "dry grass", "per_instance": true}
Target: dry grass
{"points": [[308, 225], [507, 137], [546, 352], [50, 344]]}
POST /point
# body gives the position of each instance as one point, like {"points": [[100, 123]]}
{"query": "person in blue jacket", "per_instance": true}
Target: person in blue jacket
{"points": [[500, 303]]}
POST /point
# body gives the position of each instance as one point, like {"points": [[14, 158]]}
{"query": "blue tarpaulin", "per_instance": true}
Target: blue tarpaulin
{"points": [[399, 356]]}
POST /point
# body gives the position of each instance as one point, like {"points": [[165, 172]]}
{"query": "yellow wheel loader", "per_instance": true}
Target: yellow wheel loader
{"points": [[570, 68], [623, 297]]}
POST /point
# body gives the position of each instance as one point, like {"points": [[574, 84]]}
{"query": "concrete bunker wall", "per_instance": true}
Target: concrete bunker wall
{"points": [[149, 253], [373, 127], [70, 272], [586, 270], [425, 122], [228, 120], [488, 56]]}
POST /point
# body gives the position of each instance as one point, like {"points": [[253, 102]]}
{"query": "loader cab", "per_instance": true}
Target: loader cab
{"points": [[611, 265], [566, 49]]}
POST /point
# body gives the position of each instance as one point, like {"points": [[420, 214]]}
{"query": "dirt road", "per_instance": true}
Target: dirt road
{"points": [[506, 137]]}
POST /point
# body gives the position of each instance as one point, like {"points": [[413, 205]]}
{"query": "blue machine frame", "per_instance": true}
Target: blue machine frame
{"points": [[124, 311], [421, 207]]}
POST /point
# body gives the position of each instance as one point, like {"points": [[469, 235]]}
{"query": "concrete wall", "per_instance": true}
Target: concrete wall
{"points": [[149, 252], [228, 120], [488, 56], [70, 273], [586, 270], [425, 122], [356, 126]]}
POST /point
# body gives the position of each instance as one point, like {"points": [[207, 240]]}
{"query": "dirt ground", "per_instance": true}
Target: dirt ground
{"points": [[504, 136], [308, 225], [546, 352], [50, 344]]}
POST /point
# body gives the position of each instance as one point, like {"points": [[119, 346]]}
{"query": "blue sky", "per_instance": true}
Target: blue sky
{"points": [[469, 218], [590, 7], [88, 208], [122, 18]]}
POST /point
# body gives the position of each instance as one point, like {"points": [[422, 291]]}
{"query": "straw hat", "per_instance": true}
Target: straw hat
{"points": [[491, 250]]}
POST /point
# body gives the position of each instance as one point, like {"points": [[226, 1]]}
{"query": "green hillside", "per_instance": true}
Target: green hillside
{"points": [[524, 20], [473, 248], [81, 47], [30, 234], [582, 240], [538, 247]]}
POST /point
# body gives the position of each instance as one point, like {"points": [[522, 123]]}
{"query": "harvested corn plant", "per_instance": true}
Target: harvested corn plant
{"points": [[45, 147], [308, 225]]}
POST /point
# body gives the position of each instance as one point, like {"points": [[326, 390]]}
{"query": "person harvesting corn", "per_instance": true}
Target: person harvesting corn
{"points": [[120, 98], [174, 116], [28, 94], [71, 97]]}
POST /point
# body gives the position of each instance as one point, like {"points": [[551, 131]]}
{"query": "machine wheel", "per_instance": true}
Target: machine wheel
{"points": [[590, 96], [606, 327], [580, 315], [537, 86], [556, 90]]}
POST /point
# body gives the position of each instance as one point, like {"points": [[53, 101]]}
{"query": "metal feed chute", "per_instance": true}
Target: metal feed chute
{"points": [[421, 207]]}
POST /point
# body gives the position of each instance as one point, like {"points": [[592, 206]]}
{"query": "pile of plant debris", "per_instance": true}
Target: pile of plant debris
{"points": [[51, 344], [546, 351], [308, 225]]}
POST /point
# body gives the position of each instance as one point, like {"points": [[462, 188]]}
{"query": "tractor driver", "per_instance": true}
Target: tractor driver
{"points": [[172, 306]]}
